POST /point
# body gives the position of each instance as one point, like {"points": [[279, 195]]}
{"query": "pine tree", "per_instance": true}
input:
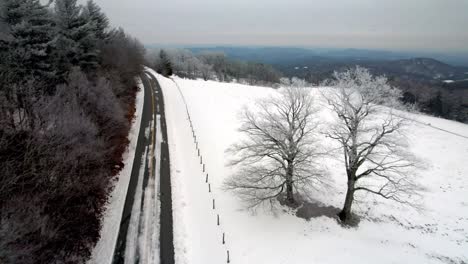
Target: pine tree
{"points": [[166, 65], [28, 42], [26, 68], [436, 105], [76, 42], [101, 22]]}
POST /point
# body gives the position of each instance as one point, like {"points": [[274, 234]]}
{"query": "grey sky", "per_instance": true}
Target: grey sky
{"points": [[383, 24]]}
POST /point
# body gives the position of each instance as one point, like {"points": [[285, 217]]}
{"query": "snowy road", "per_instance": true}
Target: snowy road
{"points": [[166, 221], [139, 239]]}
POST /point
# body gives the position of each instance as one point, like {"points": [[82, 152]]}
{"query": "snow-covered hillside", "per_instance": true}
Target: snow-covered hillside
{"points": [[388, 232]]}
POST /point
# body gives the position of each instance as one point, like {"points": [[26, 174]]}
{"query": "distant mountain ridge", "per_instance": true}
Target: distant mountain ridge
{"points": [[418, 68], [284, 55]]}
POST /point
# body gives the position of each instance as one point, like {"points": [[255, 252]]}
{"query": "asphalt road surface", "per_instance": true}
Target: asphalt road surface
{"points": [[152, 107]]}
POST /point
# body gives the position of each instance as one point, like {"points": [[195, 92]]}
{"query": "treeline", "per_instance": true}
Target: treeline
{"points": [[212, 66], [435, 99], [67, 94], [449, 101]]}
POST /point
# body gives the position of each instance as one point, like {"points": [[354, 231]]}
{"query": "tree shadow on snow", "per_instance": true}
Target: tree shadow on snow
{"points": [[310, 210], [307, 208]]}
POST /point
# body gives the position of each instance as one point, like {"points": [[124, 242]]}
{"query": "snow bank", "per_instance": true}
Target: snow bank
{"points": [[104, 251], [388, 232]]}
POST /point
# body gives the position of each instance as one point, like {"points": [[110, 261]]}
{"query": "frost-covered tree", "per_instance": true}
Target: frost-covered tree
{"points": [[100, 21], [298, 82], [205, 70], [277, 156], [25, 60], [26, 42], [76, 42], [285, 81], [214, 65], [218, 61], [184, 63], [370, 130]]}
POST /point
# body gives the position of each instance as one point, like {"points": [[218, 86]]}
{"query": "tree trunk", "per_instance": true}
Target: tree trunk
{"points": [[289, 192], [289, 186], [345, 214]]}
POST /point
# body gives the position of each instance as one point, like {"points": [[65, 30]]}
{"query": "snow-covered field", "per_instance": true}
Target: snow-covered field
{"points": [[388, 232]]}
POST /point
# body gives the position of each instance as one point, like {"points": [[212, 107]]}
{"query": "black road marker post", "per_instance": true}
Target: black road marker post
{"points": [[228, 260], [209, 187], [218, 219], [224, 242], [206, 178], [213, 204]]}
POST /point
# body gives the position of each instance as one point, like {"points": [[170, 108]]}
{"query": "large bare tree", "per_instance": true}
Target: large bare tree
{"points": [[370, 129], [277, 156]]}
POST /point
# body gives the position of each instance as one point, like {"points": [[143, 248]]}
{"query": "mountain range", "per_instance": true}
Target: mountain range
{"points": [[317, 64]]}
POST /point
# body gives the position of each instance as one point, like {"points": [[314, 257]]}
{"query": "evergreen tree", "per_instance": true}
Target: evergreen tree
{"points": [[408, 98], [100, 21], [435, 105], [26, 48], [166, 65], [76, 42]]}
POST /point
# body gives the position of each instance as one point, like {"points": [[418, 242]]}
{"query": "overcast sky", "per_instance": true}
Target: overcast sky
{"points": [[440, 25]]}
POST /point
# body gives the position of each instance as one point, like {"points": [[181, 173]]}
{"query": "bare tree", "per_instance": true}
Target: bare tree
{"points": [[218, 61], [205, 70], [370, 130], [298, 82], [285, 81], [277, 156]]}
